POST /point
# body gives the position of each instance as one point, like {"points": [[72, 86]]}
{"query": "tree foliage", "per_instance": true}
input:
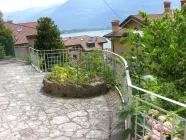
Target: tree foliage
{"points": [[1, 15], [157, 61], [161, 50], [48, 35], [2, 52], [5, 36]]}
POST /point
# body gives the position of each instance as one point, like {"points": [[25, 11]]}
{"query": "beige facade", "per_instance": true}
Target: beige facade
{"points": [[74, 54], [132, 25], [116, 45], [21, 52], [31, 41], [23, 34], [119, 47]]}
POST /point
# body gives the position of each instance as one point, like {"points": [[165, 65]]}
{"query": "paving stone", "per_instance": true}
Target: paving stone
{"points": [[82, 139], [41, 131], [96, 134], [62, 138], [27, 113], [9, 118], [31, 137], [69, 127], [4, 134], [26, 133], [79, 113], [59, 120], [34, 122], [55, 133], [13, 136], [83, 121], [48, 138], [80, 133], [16, 126]]}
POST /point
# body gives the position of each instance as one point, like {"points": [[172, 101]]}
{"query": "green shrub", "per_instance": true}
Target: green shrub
{"points": [[68, 74], [95, 65], [2, 52]]}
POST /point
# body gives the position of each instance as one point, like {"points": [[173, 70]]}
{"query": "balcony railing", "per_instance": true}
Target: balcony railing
{"points": [[144, 116]]}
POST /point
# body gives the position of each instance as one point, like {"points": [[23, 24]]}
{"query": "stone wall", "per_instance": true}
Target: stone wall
{"points": [[74, 90], [116, 124]]}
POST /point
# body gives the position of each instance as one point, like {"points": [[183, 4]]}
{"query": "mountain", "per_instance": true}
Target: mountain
{"points": [[22, 16], [90, 13]]}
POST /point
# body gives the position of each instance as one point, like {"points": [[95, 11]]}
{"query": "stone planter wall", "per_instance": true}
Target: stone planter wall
{"points": [[74, 90]]}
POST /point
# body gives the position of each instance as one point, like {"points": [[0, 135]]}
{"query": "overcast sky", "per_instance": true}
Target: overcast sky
{"points": [[16, 5]]}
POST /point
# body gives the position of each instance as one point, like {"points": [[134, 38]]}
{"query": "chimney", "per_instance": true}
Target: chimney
{"points": [[182, 3], [10, 21], [115, 26], [167, 6]]}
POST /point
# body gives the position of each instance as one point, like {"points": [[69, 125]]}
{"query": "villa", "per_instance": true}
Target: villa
{"points": [[132, 22], [83, 43], [23, 35]]}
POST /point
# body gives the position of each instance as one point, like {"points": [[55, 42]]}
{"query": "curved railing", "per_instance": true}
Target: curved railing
{"points": [[142, 119], [127, 96]]}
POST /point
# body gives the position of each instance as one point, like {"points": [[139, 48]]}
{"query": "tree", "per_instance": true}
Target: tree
{"points": [[1, 15], [162, 47], [2, 52], [48, 35], [5, 36], [157, 60]]}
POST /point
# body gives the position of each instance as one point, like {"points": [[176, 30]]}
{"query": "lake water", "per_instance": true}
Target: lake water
{"points": [[91, 33]]}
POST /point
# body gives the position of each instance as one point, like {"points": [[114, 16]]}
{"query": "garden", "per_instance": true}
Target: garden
{"points": [[157, 63], [90, 77]]}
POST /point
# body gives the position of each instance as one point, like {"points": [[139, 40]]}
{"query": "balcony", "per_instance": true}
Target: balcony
{"points": [[142, 119]]}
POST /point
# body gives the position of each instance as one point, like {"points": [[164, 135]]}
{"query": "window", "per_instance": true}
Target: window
{"points": [[74, 56], [136, 29]]}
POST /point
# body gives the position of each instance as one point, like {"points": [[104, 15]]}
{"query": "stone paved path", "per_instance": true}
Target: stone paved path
{"points": [[27, 113]]}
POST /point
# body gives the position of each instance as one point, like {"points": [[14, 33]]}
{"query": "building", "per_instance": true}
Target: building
{"points": [[132, 22], [83, 43], [23, 35], [86, 43]]}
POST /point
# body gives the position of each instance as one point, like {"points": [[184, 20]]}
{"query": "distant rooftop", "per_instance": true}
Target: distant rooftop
{"points": [[88, 43], [22, 31]]}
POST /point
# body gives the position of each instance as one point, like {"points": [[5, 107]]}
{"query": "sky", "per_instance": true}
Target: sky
{"points": [[16, 5]]}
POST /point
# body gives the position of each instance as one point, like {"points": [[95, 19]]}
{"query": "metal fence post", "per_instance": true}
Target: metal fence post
{"points": [[115, 67], [37, 54]]}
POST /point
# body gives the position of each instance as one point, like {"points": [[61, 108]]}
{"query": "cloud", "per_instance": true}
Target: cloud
{"points": [[16, 5]]}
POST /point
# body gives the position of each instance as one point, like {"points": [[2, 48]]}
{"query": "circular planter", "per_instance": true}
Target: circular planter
{"points": [[74, 90]]}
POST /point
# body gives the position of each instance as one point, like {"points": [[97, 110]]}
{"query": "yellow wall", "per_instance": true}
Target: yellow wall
{"points": [[21, 52], [132, 25], [31, 41], [119, 47]]}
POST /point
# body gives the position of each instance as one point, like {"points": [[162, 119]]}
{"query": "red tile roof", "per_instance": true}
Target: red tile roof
{"points": [[118, 34], [154, 16], [140, 19], [30, 24], [83, 40], [22, 31], [151, 16], [136, 17]]}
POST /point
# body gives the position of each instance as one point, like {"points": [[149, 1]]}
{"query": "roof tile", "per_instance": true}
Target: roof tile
{"points": [[22, 31], [83, 40], [120, 33]]}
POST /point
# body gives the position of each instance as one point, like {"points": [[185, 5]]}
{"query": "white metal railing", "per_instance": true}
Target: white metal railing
{"points": [[148, 119], [172, 127]]}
